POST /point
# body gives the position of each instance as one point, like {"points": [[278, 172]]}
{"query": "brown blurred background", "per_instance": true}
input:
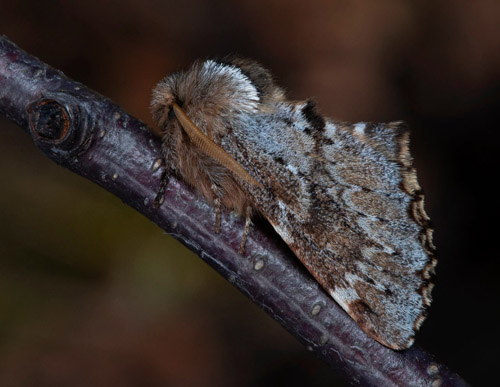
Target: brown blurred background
{"points": [[91, 293]]}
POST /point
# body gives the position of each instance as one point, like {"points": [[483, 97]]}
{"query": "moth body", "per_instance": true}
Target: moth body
{"points": [[344, 197], [213, 95]]}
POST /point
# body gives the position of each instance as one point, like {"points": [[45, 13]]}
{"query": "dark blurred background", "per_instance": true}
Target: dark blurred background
{"points": [[92, 293]]}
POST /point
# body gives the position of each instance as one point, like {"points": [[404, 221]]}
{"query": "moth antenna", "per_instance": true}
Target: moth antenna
{"points": [[210, 148]]}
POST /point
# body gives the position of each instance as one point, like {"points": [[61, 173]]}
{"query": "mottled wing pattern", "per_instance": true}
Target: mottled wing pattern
{"points": [[345, 198]]}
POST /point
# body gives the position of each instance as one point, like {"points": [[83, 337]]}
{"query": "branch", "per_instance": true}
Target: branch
{"points": [[90, 135]]}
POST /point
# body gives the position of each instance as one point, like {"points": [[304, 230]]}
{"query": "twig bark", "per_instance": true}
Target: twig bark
{"points": [[89, 134]]}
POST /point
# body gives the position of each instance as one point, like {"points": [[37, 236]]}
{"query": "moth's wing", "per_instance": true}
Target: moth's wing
{"points": [[345, 198]]}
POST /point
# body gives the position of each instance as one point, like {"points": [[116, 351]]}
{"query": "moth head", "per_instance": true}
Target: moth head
{"points": [[213, 93]]}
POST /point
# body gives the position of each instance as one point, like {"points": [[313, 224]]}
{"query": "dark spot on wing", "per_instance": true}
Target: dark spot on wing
{"points": [[279, 160], [312, 116]]}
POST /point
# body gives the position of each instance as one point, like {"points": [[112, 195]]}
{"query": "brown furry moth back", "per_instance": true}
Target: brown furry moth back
{"points": [[344, 197]]}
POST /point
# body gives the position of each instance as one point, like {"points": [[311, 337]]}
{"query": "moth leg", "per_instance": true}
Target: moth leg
{"points": [[246, 230], [160, 196], [218, 206]]}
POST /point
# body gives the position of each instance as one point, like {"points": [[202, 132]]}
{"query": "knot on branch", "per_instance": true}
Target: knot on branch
{"points": [[58, 126], [49, 120]]}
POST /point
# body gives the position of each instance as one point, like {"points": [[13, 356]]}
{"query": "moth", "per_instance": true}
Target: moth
{"points": [[344, 197]]}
